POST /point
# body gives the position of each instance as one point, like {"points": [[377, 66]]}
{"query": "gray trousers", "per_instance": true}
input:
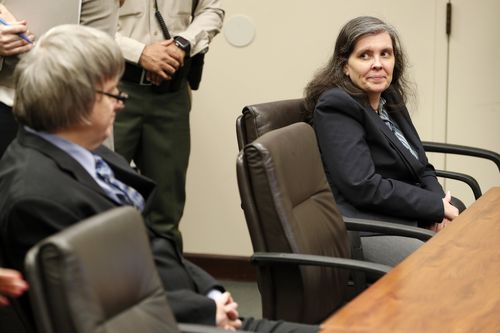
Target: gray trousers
{"points": [[388, 250]]}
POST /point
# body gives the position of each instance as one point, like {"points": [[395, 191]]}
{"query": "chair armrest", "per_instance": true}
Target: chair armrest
{"points": [[469, 180], [448, 148], [264, 258], [195, 328], [387, 228]]}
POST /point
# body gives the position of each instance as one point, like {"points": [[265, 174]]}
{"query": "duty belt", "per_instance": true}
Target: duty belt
{"points": [[135, 74]]}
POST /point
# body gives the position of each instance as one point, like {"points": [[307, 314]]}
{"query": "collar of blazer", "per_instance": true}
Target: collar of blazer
{"points": [[70, 166]]}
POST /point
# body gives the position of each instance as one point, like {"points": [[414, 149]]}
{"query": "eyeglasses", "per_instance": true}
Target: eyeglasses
{"points": [[120, 97]]}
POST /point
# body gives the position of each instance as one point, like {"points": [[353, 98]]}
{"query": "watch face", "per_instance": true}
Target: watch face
{"points": [[182, 43]]}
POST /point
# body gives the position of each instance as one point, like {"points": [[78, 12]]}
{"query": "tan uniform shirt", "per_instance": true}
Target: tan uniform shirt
{"points": [[138, 27], [100, 14]]}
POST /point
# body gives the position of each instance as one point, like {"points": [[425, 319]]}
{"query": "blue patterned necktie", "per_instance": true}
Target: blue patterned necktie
{"points": [[125, 194], [394, 128]]}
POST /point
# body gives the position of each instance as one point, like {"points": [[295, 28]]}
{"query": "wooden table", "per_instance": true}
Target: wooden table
{"points": [[450, 284]]}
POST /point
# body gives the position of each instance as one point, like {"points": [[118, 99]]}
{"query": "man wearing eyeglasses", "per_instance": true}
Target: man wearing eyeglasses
{"points": [[56, 171]]}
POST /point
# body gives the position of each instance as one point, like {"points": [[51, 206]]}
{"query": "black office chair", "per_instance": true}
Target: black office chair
{"points": [[99, 276], [258, 119], [294, 222], [448, 148]]}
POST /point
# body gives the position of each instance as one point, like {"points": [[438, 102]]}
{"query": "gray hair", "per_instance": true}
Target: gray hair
{"points": [[332, 75], [56, 81]]}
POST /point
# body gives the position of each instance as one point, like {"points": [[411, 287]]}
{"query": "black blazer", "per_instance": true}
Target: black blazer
{"points": [[371, 173], [44, 190]]}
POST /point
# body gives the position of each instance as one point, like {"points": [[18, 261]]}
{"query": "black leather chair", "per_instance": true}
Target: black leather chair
{"points": [[258, 119], [448, 148], [294, 223], [99, 276], [264, 216]]}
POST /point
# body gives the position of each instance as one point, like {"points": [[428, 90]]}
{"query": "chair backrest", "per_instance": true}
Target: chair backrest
{"points": [[259, 119], [98, 276], [289, 207]]}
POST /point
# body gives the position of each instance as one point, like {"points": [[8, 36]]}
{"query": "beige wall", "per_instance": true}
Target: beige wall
{"points": [[293, 38], [474, 89]]}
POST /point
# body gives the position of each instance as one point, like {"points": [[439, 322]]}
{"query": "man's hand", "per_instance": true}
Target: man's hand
{"points": [[11, 284], [227, 315], [161, 60]]}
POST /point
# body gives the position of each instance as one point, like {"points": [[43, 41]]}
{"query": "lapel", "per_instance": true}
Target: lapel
{"points": [[65, 162], [402, 118], [409, 160]]}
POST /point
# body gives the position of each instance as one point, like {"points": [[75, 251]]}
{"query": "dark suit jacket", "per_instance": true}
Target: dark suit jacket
{"points": [[371, 173], [44, 190]]}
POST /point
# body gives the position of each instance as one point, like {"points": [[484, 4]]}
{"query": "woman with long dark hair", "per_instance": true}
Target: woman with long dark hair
{"points": [[373, 156]]}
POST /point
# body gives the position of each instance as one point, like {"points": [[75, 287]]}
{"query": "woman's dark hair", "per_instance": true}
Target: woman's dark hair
{"points": [[333, 75]]}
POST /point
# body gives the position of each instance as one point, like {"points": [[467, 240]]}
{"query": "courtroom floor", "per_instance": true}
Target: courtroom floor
{"points": [[246, 294]]}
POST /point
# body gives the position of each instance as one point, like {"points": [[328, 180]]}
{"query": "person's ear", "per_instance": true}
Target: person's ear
{"points": [[346, 70]]}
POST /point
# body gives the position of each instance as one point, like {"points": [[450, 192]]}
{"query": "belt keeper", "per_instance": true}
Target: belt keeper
{"points": [[144, 81]]}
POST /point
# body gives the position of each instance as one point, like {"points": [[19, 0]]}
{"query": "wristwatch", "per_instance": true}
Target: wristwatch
{"points": [[183, 44]]}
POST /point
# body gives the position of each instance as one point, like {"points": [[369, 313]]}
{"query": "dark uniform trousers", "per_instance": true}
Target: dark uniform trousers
{"points": [[153, 131]]}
